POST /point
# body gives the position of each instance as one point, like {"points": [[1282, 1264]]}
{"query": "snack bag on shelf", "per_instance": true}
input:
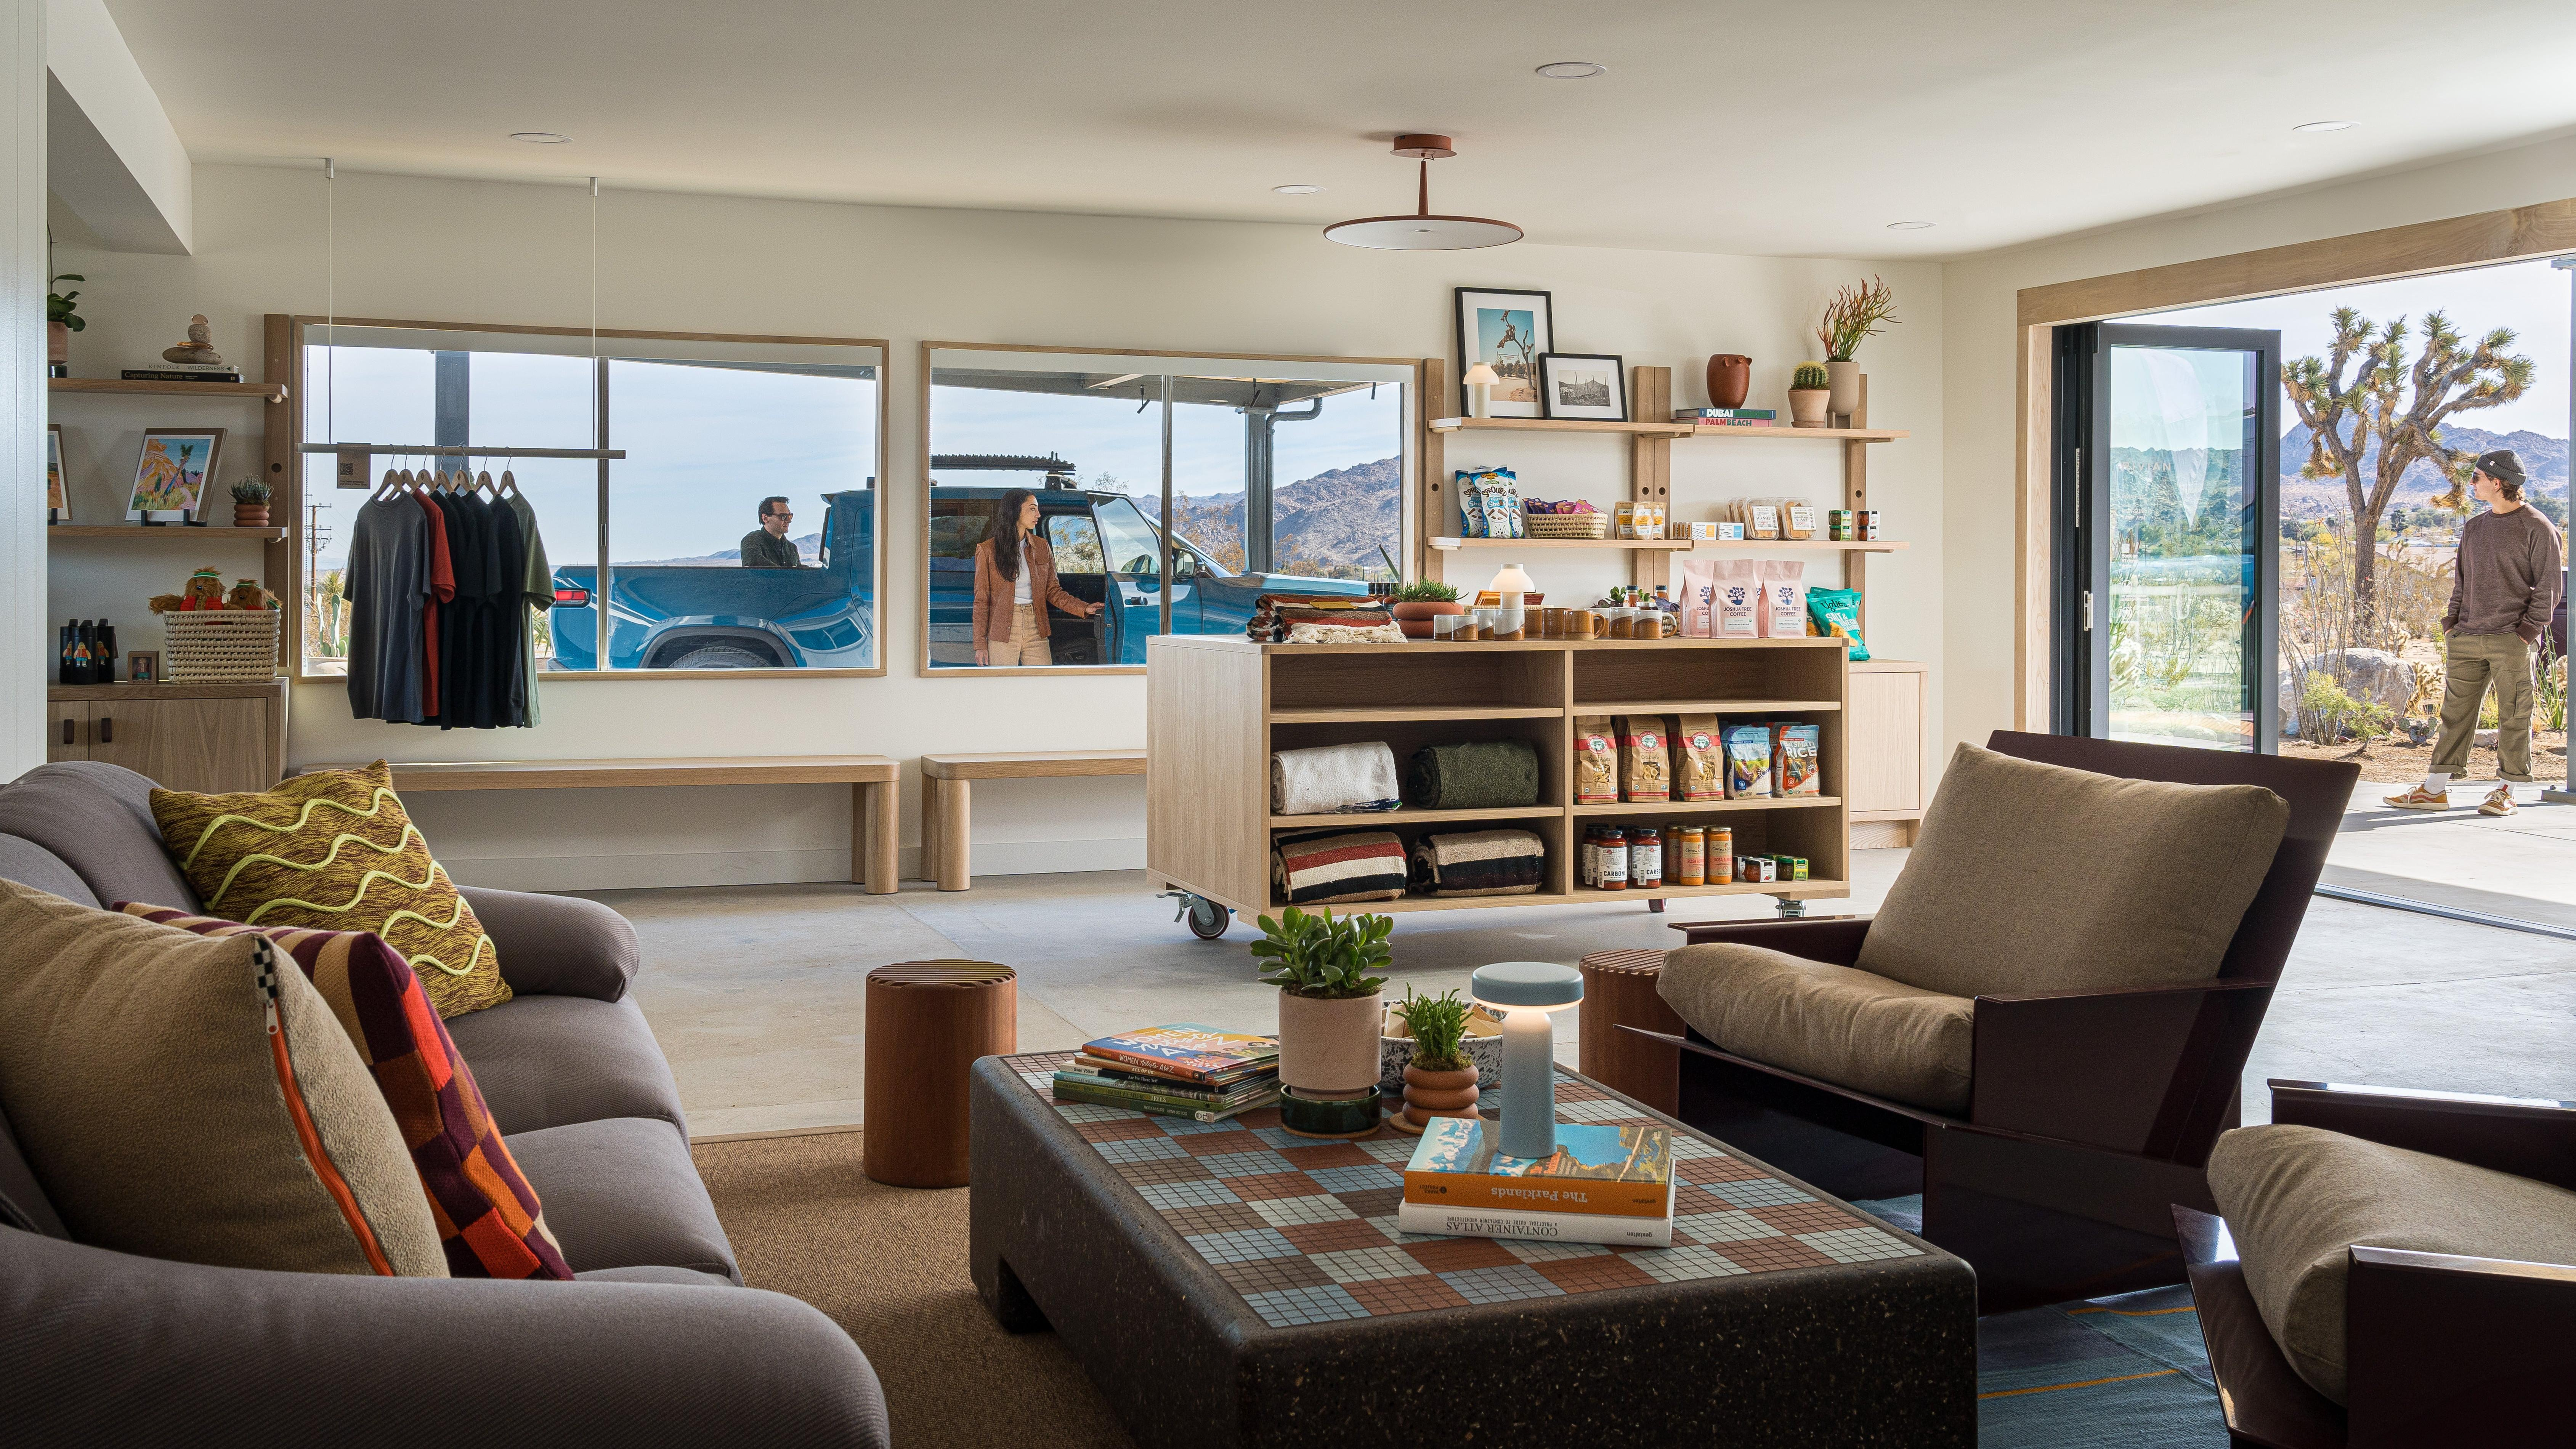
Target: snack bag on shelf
{"points": [[1796, 750], [1835, 614], [1596, 760], [1645, 768], [1797, 518], [1699, 770], [1748, 761], [1761, 519]]}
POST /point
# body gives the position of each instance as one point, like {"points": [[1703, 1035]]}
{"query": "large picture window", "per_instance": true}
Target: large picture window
{"points": [[1284, 476], [739, 531]]}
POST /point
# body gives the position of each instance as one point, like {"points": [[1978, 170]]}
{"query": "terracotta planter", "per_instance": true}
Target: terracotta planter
{"points": [[1329, 1047], [250, 515], [58, 342], [1844, 393], [1807, 406], [1730, 379], [1415, 618], [1438, 1094]]}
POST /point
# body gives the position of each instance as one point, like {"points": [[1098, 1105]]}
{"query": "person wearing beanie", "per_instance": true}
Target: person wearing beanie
{"points": [[2502, 594]]}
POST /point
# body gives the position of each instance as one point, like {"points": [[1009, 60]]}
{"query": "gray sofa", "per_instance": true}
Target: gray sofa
{"points": [[658, 1343]]}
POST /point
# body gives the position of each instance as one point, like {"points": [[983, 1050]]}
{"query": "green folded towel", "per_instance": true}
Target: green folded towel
{"points": [[1473, 775]]}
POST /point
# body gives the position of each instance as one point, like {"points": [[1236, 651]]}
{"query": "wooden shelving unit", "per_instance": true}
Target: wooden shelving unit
{"points": [[268, 392], [1821, 435], [1650, 545], [1561, 425], [164, 533]]}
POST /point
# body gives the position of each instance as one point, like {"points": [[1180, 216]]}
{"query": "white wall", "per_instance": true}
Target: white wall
{"points": [[116, 162], [1980, 375], [465, 251], [26, 655]]}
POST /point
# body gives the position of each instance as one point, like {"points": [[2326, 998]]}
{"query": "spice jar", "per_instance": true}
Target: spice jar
{"points": [[1613, 856], [1720, 850], [1690, 855], [1645, 857]]}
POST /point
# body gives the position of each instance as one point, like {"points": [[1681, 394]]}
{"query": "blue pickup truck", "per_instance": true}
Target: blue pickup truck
{"points": [[679, 616]]}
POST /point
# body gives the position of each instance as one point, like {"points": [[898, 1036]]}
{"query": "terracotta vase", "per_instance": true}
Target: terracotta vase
{"points": [[1329, 1047], [1439, 1094], [1730, 379], [250, 515], [1845, 392], [1807, 406], [1415, 618]]}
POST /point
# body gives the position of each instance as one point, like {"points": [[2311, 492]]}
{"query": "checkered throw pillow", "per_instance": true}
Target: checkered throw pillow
{"points": [[489, 1220]]}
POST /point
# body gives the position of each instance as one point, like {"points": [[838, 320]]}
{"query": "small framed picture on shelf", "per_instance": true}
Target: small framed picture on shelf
{"points": [[1505, 331], [1584, 385], [58, 490], [143, 666], [171, 472]]}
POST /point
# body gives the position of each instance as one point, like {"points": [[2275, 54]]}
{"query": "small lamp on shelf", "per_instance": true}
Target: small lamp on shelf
{"points": [[1523, 993], [1510, 586], [1480, 380]]}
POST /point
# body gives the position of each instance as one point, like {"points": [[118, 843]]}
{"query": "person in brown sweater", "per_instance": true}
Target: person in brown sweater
{"points": [[2502, 593], [1014, 583]]}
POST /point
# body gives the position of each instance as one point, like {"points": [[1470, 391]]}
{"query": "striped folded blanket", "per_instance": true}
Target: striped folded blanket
{"points": [[1273, 613], [1322, 867], [1479, 863]]}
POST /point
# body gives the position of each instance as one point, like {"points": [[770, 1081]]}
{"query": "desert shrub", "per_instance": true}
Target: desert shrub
{"points": [[2327, 713]]}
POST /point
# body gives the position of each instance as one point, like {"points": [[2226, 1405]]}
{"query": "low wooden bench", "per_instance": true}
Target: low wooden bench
{"points": [[946, 798], [874, 811]]}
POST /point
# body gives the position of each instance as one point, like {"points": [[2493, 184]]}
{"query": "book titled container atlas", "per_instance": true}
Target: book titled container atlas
{"points": [[1182, 1070], [1603, 1184]]}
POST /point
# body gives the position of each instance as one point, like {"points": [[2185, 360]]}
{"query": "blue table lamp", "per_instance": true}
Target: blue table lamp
{"points": [[1522, 993]]}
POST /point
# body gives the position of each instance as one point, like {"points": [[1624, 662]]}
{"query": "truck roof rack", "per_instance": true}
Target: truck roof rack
{"points": [[1060, 474]]}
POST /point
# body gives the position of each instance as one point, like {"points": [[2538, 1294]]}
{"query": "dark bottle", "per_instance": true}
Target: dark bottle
{"points": [[108, 658]]}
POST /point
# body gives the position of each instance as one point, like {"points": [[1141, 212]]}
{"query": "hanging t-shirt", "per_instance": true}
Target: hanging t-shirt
{"points": [[505, 617], [442, 581], [387, 584], [538, 593], [456, 630]]}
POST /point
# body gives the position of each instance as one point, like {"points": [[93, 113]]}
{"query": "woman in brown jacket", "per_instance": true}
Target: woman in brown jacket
{"points": [[1014, 582]]}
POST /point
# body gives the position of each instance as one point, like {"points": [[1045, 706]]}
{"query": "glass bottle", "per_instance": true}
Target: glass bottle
{"points": [[1614, 858], [1721, 855], [1690, 855], [1645, 857]]}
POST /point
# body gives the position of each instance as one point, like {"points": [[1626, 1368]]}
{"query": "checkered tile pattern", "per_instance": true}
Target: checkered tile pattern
{"points": [[1305, 1230]]}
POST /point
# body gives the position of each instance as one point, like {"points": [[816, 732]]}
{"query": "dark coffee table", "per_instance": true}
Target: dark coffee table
{"points": [[1230, 1284]]}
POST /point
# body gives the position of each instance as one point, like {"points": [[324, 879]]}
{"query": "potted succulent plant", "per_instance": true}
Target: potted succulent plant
{"points": [[1853, 315], [1440, 1081], [62, 319], [1419, 602], [1329, 1007], [250, 504], [1808, 395]]}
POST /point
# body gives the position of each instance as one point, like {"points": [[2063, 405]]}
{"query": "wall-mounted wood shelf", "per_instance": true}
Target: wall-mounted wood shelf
{"points": [[1766, 545], [1670, 545], [165, 533], [1833, 435], [1560, 425], [272, 392]]}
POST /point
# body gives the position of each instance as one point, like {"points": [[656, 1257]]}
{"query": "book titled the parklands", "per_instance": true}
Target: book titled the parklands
{"points": [[1190, 1052], [1596, 1171]]}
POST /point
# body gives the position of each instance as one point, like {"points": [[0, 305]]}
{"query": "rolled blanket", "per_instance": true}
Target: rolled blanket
{"points": [[1474, 775], [1333, 780], [1479, 863], [1321, 867], [1273, 613], [1305, 633]]}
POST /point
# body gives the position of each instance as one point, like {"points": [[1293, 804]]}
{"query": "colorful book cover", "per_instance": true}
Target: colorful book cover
{"points": [[1189, 1049], [1618, 1232], [1739, 422], [1108, 1095], [1104, 1066], [1166, 1086], [1596, 1170], [1726, 412]]}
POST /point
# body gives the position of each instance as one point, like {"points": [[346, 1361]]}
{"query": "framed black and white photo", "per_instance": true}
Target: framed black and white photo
{"points": [[1583, 385], [1506, 331]]}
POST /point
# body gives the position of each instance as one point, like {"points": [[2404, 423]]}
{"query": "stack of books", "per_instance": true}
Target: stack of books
{"points": [[1729, 417], [1183, 1070], [1603, 1185]]}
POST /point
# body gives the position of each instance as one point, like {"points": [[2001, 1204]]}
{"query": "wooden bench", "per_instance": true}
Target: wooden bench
{"points": [[874, 813], [946, 800]]}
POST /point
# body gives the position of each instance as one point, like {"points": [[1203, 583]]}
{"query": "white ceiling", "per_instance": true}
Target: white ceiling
{"points": [[1735, 127]]}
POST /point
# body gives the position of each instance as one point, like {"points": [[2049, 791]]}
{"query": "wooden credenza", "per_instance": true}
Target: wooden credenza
{"points": [[205, 737]]}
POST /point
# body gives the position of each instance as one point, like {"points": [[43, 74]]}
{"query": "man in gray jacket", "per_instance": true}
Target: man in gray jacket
{"points": [[2501, 597]]}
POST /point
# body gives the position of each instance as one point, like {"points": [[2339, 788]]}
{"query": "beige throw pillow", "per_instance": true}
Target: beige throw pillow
{"points": [[193, 1098]]}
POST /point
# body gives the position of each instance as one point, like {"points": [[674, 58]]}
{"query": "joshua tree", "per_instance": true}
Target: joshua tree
{"points": [[2400, 405]]}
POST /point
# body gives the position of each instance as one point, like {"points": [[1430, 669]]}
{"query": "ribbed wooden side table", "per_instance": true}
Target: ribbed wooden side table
{"points": [[1619, 987], [927, 1023]]}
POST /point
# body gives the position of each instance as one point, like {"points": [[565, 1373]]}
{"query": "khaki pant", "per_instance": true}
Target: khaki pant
{"points": [[1028, 647], [2470, 663]]}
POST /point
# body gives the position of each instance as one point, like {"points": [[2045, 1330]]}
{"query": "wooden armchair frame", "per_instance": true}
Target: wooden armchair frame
{"points": [[2091, 1113], [2440, 1349]]}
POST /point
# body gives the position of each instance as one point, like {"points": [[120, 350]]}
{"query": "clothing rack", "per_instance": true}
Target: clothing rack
{"points": [[454, 451]]}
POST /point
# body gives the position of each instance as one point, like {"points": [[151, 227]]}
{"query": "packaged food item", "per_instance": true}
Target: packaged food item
{"points": [[1748, 761], [1697, 615], [1756, 869], [1645, 857], [1784, 597], [1867, 524], [1789, 867], [1761, 519], [1730, 532], [1842, 526], [1489, 503], [1645, 763], [1720, 850], [1586, 852], [1796, 755], [1835, 614], [1596, 760], [1690, 855], [1699, 760], [1797, 519], [1613, 858], [1730, 590]]}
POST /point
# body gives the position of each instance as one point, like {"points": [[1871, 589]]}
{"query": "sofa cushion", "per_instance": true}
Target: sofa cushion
{"points": [[1834, 1023], [97, 819], [2296, 1197], [624, 1194], [2032, 877], [490, 1220], [193, 1099], [30, 864], [333, 850], [675, 1277], [545, 1061]]}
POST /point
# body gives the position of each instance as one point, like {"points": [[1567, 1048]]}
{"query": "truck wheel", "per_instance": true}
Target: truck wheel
{"points": [[1208, 920], [720, 656]]}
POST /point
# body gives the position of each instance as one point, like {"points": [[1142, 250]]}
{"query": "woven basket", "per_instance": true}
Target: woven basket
{"points": [[1568, 525], [219, 644]]}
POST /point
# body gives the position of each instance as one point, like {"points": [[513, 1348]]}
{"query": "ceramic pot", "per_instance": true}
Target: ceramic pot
{"points": [[1439, 1094], [1415, 618], [1844, 392], [1807, 406], [58, 342], [250, 515], [1483, 1045], [1327, 1047], [1730, 379]]}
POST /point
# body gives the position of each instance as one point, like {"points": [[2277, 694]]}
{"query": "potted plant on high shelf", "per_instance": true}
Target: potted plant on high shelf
{"points": [[1420, 602], [1853, 315], [62, 319], [250, 504], [1808, 394], [1329, 1008]]}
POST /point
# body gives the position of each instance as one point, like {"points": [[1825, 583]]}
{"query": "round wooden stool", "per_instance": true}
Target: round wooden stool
{"points": [[1619, 988], [927, 1023]]}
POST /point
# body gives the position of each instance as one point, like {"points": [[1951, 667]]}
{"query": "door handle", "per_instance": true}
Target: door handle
{"points": [[106, 730], [68, 730]]}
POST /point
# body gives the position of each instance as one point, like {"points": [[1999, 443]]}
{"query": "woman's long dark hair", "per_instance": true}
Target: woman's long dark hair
{"points": [[1006, 533]]}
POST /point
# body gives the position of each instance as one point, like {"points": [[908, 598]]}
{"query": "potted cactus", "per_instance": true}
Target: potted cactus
{"points": [[250, 504], [1419, 602], [1329, 1007], [1440, 1081], [1809, 393]]}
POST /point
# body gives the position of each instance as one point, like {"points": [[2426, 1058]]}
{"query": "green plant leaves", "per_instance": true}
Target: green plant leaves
{"points": [[1319, 956]]}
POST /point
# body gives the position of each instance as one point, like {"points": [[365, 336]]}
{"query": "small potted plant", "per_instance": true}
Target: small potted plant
{"points": [[1440, 1081], [1808, 395], [1853, 315], [1419, 602], [1329, 1007], [62, 319], [250, 504]]}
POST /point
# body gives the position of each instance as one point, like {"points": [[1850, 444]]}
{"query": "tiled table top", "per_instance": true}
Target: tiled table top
{"points": [[1305, 1230]]}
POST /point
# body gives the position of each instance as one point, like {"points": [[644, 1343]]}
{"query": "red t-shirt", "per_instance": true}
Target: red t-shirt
{"points": [[442, 578]]}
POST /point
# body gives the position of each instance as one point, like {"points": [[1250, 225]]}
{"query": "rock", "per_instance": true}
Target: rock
{"points": [[2373, 676], [2484, 739], [199, 349]]}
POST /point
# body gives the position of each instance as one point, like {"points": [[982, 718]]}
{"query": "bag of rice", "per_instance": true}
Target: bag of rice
{"points": [[1796, 752], [1596, 760], [1699, 761], [1645, 763], [1748, 761], [1835, 613], [1784, 598]]}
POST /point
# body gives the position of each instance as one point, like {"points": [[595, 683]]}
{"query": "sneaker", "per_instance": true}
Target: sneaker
{"points": [[2499, 801], [2420, 798]]}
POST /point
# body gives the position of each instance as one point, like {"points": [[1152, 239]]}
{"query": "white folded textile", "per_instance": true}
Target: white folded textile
{"points": [[1333, 779]]}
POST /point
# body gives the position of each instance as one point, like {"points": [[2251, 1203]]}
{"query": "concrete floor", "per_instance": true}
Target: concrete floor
{"points": [[2522, 865], [757, 992]]}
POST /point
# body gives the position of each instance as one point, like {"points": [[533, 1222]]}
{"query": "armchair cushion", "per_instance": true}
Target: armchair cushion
{"points": [[2029, 877], [2295, 1198], [558, 945], [545, 1061], [1834, 1023]]}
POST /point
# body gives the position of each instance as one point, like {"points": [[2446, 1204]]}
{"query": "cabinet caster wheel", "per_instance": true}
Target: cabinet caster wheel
{"points": [[1207, 919]]}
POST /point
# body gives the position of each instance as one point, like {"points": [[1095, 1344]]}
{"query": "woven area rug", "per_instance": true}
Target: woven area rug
{"points": [[889, 1265]]}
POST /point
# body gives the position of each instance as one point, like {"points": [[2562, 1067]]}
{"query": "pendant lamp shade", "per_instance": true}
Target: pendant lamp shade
{"points": [[1423, 231]]}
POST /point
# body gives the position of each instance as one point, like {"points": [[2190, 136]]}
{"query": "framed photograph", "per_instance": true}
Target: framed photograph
{"points": [[1583, 385], [170, 475], [143, 666], [1506, 331], [58, 493]]}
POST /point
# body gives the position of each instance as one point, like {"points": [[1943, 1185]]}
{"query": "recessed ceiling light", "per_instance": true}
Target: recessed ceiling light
{"points": [[1572, 70], [1297, 188], [2326, 126], [540, 138], [1909, 226]]}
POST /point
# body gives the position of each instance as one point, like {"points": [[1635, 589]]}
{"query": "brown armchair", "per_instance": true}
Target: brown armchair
{"points": [[2468, 1346], [2049, 1100]]}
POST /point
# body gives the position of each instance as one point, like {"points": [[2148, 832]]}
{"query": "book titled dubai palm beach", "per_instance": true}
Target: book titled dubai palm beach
{"points": [[1603, 1184]]}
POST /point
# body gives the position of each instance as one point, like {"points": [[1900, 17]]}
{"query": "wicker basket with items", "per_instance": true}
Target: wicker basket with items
{"points": [[209, 636], [1571, 518]]}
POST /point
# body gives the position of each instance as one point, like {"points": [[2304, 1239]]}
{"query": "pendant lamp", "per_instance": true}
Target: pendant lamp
{"points": [[1422, 231]]}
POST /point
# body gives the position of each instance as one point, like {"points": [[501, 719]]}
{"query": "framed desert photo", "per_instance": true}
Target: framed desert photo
{"points": [[58, 493], [170, 475], [1583, 385], [1505, 331]]}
